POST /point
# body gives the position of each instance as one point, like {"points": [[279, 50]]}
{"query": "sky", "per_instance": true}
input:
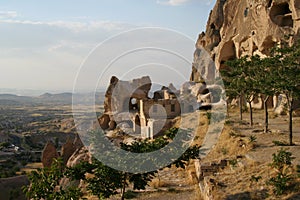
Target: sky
{"points": [[44, 44]]}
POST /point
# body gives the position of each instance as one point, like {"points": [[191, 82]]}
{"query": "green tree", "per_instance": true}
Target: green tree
{"points": [[265, 79], [287, 59], [234, 80], [45, 184], [239, 81], [106, 181]]}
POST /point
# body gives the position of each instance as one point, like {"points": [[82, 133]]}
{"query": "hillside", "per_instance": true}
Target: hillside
{"points": [[238, 28]]}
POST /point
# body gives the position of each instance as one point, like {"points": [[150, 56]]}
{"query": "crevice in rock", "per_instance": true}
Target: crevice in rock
{"points": [[281, 15], [269, 3], [254, 48]]}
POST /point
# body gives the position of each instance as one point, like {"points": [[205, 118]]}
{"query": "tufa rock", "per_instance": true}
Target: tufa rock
{"points": [[67, 150], [119, 99], [80, 155], [49, 153], [119, 93], [238, 28], [78, 143]]}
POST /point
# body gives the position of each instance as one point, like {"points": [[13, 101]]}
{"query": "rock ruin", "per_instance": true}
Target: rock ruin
{"points": [[128, 106]]}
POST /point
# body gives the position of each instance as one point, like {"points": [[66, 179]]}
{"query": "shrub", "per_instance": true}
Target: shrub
{"points": [[224, 151], [252, 139], [282, 163], [233, 163]]}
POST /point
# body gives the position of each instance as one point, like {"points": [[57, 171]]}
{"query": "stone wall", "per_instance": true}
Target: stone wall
{"points": [[204, 171]]}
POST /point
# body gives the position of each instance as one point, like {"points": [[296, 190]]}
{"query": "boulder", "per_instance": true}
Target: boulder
{"points": [[49, 153]]}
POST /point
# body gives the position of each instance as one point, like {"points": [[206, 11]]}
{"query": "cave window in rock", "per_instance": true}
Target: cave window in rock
{"points": [[157, 96], [281, 15], [133, 104], [246, 11], [172, 107], [254, 48], [137, 120], [227, 53], [137, 124], [205, 91]]}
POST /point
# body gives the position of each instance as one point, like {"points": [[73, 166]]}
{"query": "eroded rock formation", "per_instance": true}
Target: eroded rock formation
{"points": [[119, 93], [245, 27], [49, 153], [67, 150]]}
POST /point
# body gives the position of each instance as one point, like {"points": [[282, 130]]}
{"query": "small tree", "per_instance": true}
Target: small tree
{"points": [[239, 82], [287, 60], [45, 184], [105, 181], [282, 163], [265, 82], [234, 80]]}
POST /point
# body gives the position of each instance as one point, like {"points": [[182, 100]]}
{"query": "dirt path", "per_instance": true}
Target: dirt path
{"points": [[278, 131]]}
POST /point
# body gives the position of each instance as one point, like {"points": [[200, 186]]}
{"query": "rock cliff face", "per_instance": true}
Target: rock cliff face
{"points": [[245, 27]]}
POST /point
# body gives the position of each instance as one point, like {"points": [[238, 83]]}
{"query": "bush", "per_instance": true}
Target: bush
{"points": [[252, 139], [282, 163], [233, 163]]}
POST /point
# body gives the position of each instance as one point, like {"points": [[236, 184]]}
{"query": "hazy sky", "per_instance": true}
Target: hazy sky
{"points": [[43, 43]]}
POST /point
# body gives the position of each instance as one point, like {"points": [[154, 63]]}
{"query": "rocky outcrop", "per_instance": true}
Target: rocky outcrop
{"points": [[49, 153], [237, 28], [120, 93], [80, 155], [67, 150], [121, 97]]}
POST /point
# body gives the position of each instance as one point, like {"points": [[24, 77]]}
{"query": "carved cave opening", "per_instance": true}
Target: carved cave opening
{"points": [[212, 26], [281, 15], [133, 104], [254, 48], [137, 123], [228, 52]]}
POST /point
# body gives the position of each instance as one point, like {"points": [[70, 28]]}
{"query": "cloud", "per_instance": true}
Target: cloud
{"points": [[180, 2], [172, 2], [8, 14], [74, 25], [47, 54]]}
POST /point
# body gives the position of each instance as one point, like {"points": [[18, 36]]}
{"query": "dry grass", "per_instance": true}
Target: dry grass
{"points": [[239, 182]]}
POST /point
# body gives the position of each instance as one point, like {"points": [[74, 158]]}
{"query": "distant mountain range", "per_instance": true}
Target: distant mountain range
{"points": [[60, 98]]}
